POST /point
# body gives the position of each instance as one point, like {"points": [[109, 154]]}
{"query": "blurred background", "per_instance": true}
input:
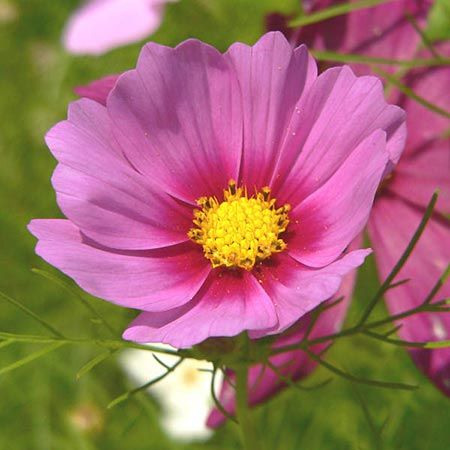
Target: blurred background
{"points": [[44, 405]]}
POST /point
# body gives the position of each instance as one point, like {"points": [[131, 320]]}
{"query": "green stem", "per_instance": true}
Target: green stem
{"points": [[246, 427], [401, 262]]}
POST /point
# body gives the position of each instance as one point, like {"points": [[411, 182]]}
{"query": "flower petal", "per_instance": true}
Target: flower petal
{"points": [[102, 25], [392, 225], [382, 31], [419, 174], [148, 280], [264, 382], [178, 117], [296, 289], [228, 303], [425, 165], [272, 78], [98, 90], [338, 113], [102, 194], [325, 223], [425, 125]]}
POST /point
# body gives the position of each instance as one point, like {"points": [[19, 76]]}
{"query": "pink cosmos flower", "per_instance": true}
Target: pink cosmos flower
{"points": [[101, 25], [154, 222], [385, 31]]}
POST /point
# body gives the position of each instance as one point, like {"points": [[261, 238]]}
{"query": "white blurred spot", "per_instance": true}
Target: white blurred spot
{"points": [[438, 328], [87, 418], [44, 58], [184, 394], [338, 325], [8, 11], [377, 31]]}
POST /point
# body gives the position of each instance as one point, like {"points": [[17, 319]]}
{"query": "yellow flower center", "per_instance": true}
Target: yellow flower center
{"points": [[239, 231]]}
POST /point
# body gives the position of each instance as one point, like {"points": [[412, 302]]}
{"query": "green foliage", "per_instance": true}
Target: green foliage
{"points": [[51, 380], [439, 21]]}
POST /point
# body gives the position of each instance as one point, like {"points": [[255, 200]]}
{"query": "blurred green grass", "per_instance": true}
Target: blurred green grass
{"points": [[36, 82]]}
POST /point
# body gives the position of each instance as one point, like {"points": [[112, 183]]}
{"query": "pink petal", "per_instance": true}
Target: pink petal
{"points": [[102, 25], [338, 113], [296, 289], [382, 31], [392, 225], [228, 303], [179, 118], [425, 165], [419, 174], [272, 78], [424, 125], [98, 90], [263, 382], [148, 280], [325, 223], [102, 194]]}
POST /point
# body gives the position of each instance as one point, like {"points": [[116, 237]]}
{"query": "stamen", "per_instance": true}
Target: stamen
{"points": [[239, 231]]}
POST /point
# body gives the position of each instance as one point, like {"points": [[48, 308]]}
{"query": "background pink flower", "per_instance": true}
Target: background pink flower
{"points": [[424, 167], [98, 90], [383, 31], [386, 31], [101, 25], [178, 128]]}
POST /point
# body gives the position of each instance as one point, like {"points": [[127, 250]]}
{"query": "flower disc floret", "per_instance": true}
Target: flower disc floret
{"points": [[239, 231]]}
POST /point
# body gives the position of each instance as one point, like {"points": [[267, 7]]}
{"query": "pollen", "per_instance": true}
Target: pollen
{"points": [[240, 231]]}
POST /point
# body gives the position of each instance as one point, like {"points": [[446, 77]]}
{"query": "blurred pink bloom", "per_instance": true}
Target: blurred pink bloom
{"points": [[385, 31], [98, 90], [101, 25], [177, 129], [424, 167]]}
